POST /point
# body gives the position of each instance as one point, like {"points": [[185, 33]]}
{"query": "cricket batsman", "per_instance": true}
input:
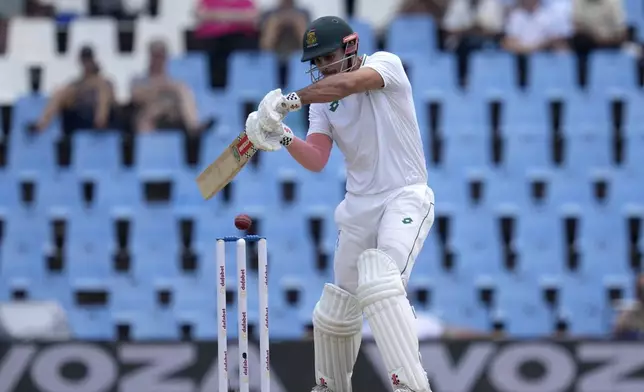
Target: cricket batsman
{"points": [[364, 104]]}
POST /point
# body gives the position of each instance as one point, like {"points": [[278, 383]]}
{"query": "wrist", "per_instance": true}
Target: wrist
{"points": [[287, 137], [292, 102]]}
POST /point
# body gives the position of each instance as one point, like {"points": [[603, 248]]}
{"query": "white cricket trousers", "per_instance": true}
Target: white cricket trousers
{"points": [[396, 222]]}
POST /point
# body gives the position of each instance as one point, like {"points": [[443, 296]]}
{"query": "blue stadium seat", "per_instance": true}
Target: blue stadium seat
{"points": [[492, 74], [526, 147], [586, 112], [10, 195], [552, 74], [520, 304], [25, 243], [252, 74], [455, 301], [90, 245], [185, 190], [463, 111], [155, 243], [131, 295], [476, 238], [226, 110], [191, 69], [367, 38], [297, 76], [96, 153], [92, 324], [634, 12], [585, 302], [587, 149], [431, 76], [34, 153], [288, 229], [159, 152], [26, 111], [59, 192], [119, 193], [612, 72], [466, 148], [204, 324], [633, 116], [250, 188], [153, 325], [524, 110], [423, 40], [539, 241], [603, 239]]}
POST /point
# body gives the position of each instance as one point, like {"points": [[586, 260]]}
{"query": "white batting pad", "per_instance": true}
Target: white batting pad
{"points": [[392, 321], [337, 323]]}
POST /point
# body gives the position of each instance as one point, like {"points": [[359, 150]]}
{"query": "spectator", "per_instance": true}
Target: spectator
{"points": [[282, 29], [533, 27], [225, 26], [630, 323], [598, 24], [85, 103], [469, 24], [159, 102], [435, 8]]}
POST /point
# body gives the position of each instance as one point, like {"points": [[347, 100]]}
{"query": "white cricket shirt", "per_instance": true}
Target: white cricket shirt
{"points": [[376, 131]]}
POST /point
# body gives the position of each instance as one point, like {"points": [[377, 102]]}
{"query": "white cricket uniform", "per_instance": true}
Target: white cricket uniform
{"points": [[388, 204]]}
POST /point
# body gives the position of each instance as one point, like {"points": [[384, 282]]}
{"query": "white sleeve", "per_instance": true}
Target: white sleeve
{"points": [[318, 121], [389, 66]]}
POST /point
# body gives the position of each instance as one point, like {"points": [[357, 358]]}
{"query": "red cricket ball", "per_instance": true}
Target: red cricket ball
{"points": [[243, 222]]}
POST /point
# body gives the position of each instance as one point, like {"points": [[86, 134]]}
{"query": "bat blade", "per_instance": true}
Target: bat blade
{"points": [[221, 172]]}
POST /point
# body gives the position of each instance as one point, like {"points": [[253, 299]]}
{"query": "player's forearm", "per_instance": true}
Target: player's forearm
{"points": [[329, 89], [308, 155]]}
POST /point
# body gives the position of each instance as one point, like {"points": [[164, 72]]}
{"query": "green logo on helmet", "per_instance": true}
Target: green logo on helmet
{"points": [[334, 106], [407, 220]]}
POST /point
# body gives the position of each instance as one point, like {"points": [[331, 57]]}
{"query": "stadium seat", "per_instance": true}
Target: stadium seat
{"points": [[191, 69], [523, 110], [431, 76], [539, 241], [423, 40], [14, 83], [552, 74], [25, 243], [524, 148], [96, 153], [492, 74], [31, 40], [297, 76], [603, 240], [586, 112], [99, 33], [463, 111], [159, 152], [520, 305], [92, 324], [612, 73], [90, 245], [252, 74]]}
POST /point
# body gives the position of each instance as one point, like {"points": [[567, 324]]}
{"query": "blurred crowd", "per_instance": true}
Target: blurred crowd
{"points": [[157, 101]]}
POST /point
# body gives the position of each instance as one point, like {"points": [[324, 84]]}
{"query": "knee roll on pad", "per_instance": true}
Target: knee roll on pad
{"points": [[378, 277], [337, 326]]}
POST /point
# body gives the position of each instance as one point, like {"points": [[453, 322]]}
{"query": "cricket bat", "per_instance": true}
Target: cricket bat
{"points": [[222, 171]]}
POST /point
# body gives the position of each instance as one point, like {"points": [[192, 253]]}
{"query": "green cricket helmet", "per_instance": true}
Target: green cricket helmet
{"points": [[326, 35]]}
